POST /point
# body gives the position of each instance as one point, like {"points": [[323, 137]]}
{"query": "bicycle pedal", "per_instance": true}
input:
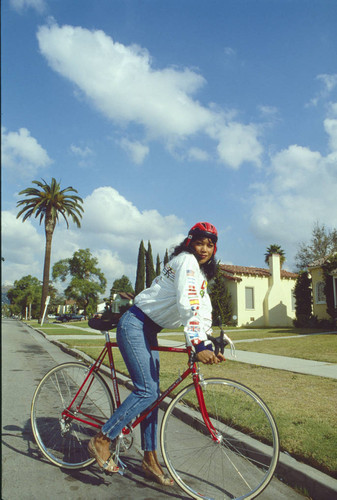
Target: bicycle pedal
{"points": [[122, 467]]}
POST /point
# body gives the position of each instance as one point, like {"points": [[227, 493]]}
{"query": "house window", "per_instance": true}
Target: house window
{"points": [[320, 295], [249, 292]]}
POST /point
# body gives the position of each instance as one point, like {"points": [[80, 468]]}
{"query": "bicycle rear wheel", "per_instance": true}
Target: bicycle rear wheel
{"points": [[64, 441], [240, 462]]}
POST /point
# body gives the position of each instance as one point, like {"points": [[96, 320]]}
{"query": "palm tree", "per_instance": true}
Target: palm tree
{"points": [[274, 249], [47, 202]]}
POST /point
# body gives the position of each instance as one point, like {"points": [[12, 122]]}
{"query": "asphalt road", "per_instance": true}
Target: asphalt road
{"points": [[26, 357]]}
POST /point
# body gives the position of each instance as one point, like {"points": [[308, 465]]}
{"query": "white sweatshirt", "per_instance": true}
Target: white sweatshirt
{"points": [[179, 297]]}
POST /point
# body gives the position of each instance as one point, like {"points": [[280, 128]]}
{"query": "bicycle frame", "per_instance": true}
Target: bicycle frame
{"points": [[233, 433], [95, 367]]}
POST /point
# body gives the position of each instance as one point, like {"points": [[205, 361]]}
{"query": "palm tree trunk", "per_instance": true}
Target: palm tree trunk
{"points": [[49, 229]]}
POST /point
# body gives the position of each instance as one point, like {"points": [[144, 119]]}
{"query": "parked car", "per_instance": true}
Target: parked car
{"points": [[70, 317]]}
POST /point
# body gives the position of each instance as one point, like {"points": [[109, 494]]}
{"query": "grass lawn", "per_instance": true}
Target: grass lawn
{"points": [[315, 347], [71, 328], [303, 405]]}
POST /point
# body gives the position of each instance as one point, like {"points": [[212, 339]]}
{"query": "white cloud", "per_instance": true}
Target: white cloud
{"points": [[123, 84], [268, 111], [239, 143], [20, 5], [121, 81], [332, 110], [22, 248], [198, 154], [114, 267], [112, 228], [300, 188], [108, 213], [135, 149], [329, 83], [330, 125], [294, 168], [82, 152], [22, 154]]}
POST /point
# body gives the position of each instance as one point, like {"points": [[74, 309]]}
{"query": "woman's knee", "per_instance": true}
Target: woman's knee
{"points": [[150, 392]]}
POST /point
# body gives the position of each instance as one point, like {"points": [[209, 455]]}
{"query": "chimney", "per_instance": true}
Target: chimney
{"points": [[275, 268]]}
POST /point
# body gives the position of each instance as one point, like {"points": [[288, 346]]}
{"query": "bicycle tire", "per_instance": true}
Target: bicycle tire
{"points": [[241, 463], [64, 443]]}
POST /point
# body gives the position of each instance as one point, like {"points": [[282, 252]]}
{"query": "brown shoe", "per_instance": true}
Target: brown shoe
{"points": [[159, 478], [107, 465]]}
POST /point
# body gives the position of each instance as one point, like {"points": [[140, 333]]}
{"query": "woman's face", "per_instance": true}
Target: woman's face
{"points": [[204, 248]]}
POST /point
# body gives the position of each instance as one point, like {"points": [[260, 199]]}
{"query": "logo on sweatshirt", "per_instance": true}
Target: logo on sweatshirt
{"points": [[203, 288], [169, 272]]}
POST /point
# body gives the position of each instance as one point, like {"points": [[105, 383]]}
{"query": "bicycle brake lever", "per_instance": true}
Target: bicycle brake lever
{"points": [[231, 344], [221, 342]]}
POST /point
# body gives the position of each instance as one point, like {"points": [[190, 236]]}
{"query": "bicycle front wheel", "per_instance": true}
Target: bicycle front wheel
{"points": [[64, 441], [239, 460]]}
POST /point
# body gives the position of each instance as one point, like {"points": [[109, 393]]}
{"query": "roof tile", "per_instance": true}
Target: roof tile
{"points": [[233, 272]]}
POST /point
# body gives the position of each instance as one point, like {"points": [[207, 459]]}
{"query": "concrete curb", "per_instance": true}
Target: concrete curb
{"points": [[316, 484]]}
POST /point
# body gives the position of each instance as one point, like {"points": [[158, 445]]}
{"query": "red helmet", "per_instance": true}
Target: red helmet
{"points": [[203, 230]]}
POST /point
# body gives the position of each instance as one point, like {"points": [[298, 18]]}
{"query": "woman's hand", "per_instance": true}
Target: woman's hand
{"points": [[209, 358]]}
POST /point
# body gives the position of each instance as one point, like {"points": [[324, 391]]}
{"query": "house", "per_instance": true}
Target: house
{"points": [[68, 306], [319, 304], [119, 300], [261, 297]]}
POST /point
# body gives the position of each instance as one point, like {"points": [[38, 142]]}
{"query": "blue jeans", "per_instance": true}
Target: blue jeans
{"points": [[134, 338]]}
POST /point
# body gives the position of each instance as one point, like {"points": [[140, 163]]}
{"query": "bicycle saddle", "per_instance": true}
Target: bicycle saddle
{"points": [[104, 324]]}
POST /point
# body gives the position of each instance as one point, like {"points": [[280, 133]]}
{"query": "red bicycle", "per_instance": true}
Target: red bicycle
{"points": [[218, 438]]}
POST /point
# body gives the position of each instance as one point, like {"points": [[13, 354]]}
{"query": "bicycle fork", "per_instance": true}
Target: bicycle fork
{"points": [[200, 385]]}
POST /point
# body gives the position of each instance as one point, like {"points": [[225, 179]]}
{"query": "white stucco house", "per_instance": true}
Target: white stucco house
{"points": [[119, 299], [261, 297]]}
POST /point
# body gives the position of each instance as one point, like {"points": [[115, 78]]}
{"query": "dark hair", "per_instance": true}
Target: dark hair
{"points": [[209, 268]]}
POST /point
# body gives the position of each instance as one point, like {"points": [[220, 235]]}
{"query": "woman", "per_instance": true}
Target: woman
{"points": [[178, 296]]}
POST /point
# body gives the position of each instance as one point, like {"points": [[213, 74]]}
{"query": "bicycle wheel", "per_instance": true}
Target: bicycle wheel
{"points": [[64, 441], [240, 462]]}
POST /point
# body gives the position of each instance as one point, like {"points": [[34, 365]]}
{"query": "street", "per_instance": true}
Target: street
{"points": [[26, 357]]}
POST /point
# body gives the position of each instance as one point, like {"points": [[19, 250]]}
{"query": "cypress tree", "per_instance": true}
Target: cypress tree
{"points": [[220, 298], [158, 265], [140, 276], [149, 268], [166, 258]]}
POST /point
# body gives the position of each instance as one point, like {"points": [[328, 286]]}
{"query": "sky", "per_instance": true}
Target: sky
{"points": [[165, 113]]}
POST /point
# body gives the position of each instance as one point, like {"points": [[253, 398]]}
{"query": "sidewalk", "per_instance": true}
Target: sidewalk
{"points": [[297, 365], [305, 366]]}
